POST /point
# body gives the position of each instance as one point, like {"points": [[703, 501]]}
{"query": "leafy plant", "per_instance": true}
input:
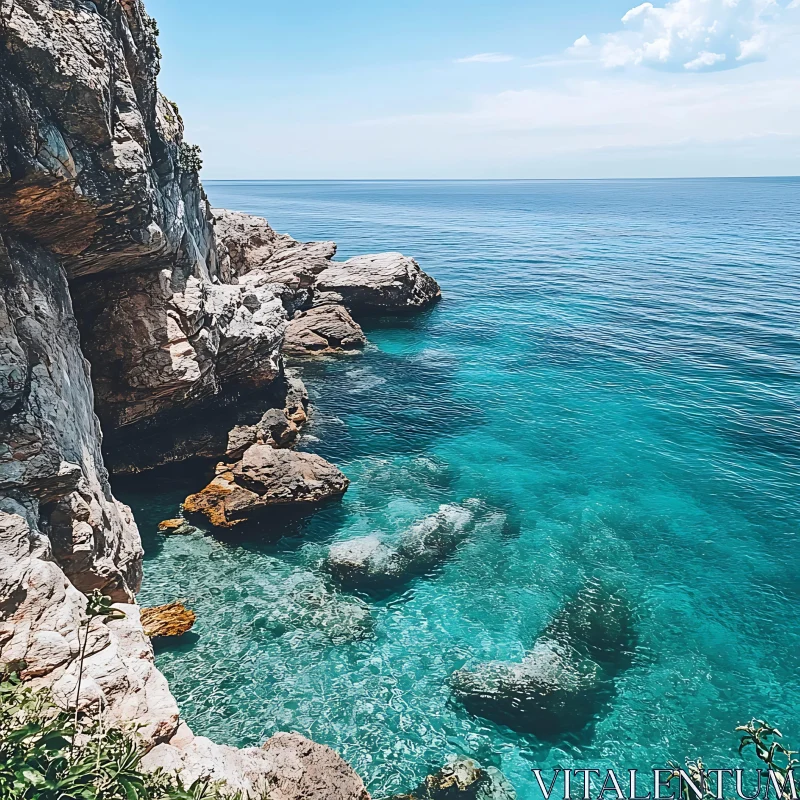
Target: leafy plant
{"points": [[762, 737], [189, 157], [97, 605], [778, 758], [39, 762]]}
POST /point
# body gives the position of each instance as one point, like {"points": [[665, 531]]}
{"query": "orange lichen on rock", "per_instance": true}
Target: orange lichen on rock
{"points": [[172, 619], [171, 524]]}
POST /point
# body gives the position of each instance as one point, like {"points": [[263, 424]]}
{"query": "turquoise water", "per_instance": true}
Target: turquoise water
{"points": [[615, 364]]}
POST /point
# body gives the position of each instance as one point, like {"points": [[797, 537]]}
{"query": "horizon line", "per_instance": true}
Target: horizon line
{"points": [[500, 180]]}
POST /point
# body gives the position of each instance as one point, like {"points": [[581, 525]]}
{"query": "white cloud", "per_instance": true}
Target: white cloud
{"points": [[705, 59], [485, 58], [583, 42], [694, 35]]}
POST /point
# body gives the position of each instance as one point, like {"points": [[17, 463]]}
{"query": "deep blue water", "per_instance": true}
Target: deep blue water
{"points": [[614, 363]]}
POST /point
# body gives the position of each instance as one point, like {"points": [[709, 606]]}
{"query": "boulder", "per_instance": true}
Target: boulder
{"points": [[382, 282], [564, 680], [322, 329], [176, 527], [463, 779], [266, 478], [371, 564], [296, 403], [552, 690], [286, 767], [172, 619], [274, 428]]}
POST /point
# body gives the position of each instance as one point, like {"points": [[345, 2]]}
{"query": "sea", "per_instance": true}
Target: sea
{"points": [[613, 372]]}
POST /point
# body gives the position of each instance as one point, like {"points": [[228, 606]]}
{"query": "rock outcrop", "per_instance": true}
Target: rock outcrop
{"points": [[171, 619], [462, 779], [382, 282], [374, 565], [564, 680], [287, 767], [108, 252], [321, 330], [42, 622], [266, 478]]}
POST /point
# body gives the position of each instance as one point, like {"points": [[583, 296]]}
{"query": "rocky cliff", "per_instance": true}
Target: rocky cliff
{"points": [[127, 305]]}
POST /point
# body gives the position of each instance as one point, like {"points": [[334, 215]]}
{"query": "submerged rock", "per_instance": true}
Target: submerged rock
{"points": [[463, 779], [322, 329], [568, 674], [551, 690], [382, 282], [307, 603], [263, 478], [172, 619], [369, 564]]}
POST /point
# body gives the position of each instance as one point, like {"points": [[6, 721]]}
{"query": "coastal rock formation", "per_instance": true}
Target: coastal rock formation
{"points": [[248, 243], [216, 427], [287, 767], [172, 619], [42, 623], [322, 329], [274, 428], [382, 282], [264, 478], [155, 343], [176, 527], [51, 468], [373, 565], [462, 779], [563, 681], [118, 299]]}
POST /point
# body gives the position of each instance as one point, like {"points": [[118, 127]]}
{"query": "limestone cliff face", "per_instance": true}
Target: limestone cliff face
{"points": [[123, 301], [112, 299]]}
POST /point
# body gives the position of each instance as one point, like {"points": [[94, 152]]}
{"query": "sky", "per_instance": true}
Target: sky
{"points": [[480, 89]]}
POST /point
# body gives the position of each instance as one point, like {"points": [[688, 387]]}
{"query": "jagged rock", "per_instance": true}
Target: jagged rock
{"points": [[264, 478], [463, 779], [296, 398], [563, 681], [287, 767], [41, 625], [50, 459], [322, 329], [382, 282], [249, 243], [176, 527], [274, 428], [371, 564], [172, 619]]}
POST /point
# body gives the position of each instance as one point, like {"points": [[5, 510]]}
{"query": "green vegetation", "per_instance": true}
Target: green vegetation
{"points": [[777, 758], [189, 157], [47, 753]]}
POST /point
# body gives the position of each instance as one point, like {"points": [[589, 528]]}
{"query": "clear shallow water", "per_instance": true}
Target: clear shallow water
{"points": [[615, 363]]}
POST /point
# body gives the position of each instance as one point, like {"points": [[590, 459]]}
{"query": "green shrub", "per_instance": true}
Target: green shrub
{"points": [[189, 157], [39, 762]]}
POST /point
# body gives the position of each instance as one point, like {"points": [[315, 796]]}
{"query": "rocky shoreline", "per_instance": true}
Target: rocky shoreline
{"points": [[131, 309]]}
